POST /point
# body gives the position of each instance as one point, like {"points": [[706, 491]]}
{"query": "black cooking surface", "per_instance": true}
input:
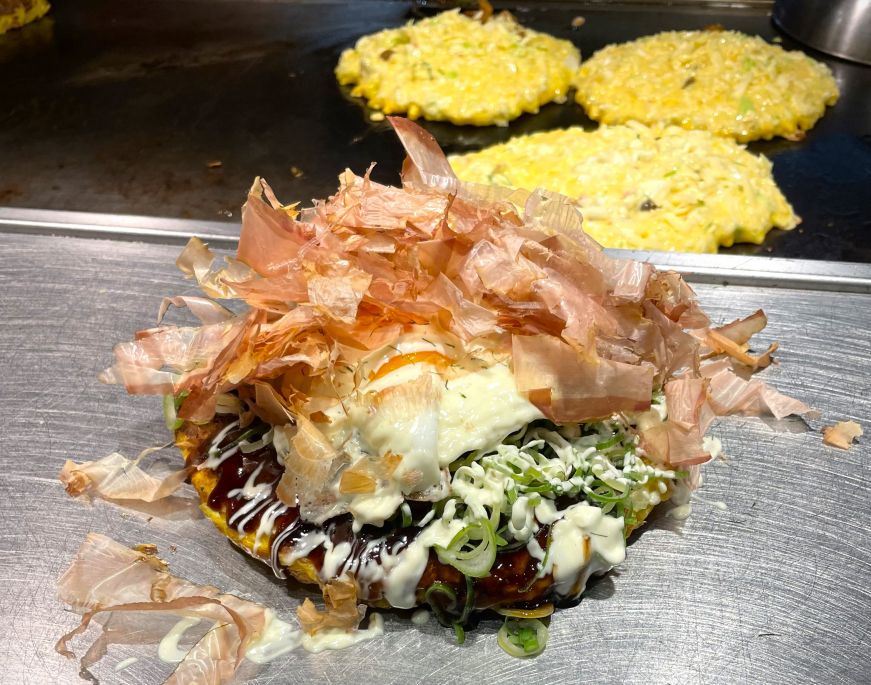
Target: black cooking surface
{"points": [[127, 106]]}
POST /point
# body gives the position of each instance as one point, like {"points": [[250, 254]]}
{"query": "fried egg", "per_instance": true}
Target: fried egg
{"points": [[451, 67], [419, 400], [725, 82], [644, 188]]}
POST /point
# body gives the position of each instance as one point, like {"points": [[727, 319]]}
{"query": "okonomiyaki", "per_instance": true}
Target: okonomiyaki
{"points": [[438, 395]]}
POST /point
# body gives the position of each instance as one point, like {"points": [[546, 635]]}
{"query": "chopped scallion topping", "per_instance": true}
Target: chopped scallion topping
{"points": [[522, 637]]}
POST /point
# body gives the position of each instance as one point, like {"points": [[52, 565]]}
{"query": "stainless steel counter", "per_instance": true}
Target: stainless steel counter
{"points": [[774, 589], [119, 106]]}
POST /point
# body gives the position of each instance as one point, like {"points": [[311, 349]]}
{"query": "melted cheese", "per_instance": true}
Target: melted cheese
{"points": [[476, 411], [376, 508]]}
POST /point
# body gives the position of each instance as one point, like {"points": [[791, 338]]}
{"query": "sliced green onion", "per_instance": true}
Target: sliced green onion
{"points": [[539, 489], [170, 410], [215, 451], [597, 495], [472, 551], [466, 460], [263, 441], [406, 515], [522, 637], [444, 613], [542, 611], [459, 625], [610, 442], [470, 601]]}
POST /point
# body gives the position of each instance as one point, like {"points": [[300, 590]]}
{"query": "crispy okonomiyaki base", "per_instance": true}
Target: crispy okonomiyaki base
{"points": [[271, 531]]}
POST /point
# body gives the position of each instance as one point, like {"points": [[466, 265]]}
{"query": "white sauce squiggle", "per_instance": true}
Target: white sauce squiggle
{"points": [[267, 522], [129, 661], [168, 649], [250, 490], [216, 457], [247, 512], [280, 637]]}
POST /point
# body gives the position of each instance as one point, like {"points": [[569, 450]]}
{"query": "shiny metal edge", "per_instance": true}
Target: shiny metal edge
{"points": [[769, 272], [127, 227], [722, 269]]}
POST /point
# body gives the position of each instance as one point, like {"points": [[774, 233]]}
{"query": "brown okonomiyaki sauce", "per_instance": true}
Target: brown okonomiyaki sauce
{"points": [[511, 583]]}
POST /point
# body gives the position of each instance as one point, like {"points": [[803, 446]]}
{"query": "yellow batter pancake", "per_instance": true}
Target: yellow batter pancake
{"points": [[454, 68], [17, 13], [725, 82], [644, 188]]}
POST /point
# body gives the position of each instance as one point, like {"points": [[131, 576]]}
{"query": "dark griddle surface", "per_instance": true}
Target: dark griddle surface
{"points": [[119, 106]]}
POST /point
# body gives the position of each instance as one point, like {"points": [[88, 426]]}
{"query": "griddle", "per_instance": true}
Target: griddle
{"points": [[126, 107]]}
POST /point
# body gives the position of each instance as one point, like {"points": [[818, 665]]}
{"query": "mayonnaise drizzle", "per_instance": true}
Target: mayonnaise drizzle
{"points": [[681, 498], [129, 661], [335, 557], [340, 639], [247, 512], [301, 548], [267, 521], [582, 539], [584, 527], [280, 637], [420, 617], [276, 548], [216, 457], [251, 490], [168, 649]]}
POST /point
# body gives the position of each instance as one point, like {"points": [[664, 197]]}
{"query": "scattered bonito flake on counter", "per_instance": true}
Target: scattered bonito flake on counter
{"points": [[115, 477], [842, 434], [134, 588]]}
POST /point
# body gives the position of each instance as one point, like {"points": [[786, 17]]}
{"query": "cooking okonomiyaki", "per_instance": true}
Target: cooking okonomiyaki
{"points": [[725, 82]]}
